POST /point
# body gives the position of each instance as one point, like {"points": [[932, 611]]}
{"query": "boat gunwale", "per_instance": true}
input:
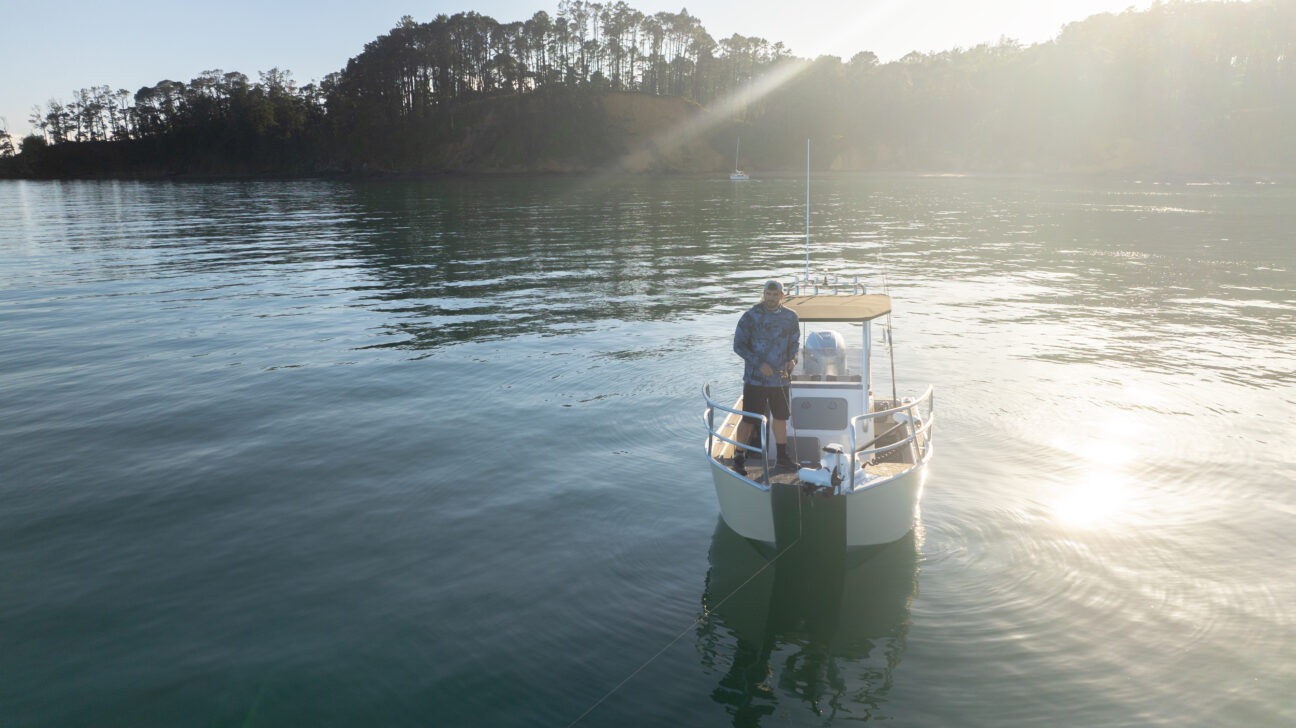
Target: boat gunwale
{"points": [[846, 493], [709, 446], [730, 471]]}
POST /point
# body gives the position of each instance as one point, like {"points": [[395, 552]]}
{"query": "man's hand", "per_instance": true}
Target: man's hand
{"points": [[767, 370]]}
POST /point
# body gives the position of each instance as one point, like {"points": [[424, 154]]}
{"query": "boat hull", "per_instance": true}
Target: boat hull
{"points": [[880, 513], [746, 507], [886, 511]]}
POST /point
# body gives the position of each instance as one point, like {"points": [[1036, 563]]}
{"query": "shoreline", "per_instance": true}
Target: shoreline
{"points": [[1132, 175]]}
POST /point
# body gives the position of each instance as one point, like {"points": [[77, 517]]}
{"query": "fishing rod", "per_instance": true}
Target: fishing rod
{"points": [[895, 400]]}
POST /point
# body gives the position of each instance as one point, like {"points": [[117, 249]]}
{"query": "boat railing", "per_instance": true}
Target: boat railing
{"points": [[708, 419], [809, 284], [918, 417]]}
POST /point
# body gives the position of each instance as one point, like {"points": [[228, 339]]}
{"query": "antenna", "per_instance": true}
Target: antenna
{"points": [[807, 272], [895, 399]]}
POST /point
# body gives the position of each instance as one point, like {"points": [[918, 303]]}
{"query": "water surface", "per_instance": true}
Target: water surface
{"points": [[313, 453]]}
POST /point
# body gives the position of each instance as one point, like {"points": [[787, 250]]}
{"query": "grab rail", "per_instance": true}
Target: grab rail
{"points": [[811, 284], [918, 424], [708, 419], [918, 448]]}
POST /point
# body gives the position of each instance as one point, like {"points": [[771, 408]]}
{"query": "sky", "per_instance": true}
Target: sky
{"points": [[50, 49]]}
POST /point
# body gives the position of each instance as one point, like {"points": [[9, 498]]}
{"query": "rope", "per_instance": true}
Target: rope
{"points": [[792, 444], [706, 614]]}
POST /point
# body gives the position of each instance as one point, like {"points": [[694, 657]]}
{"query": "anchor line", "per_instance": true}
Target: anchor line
{"points": [[708, 611], [706, 614]]}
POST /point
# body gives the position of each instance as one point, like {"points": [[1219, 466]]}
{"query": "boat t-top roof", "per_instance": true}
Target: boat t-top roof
{"points": [[833, 307]]}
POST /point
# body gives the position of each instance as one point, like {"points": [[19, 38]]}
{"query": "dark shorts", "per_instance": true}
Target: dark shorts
{"points": [[757, 399]]}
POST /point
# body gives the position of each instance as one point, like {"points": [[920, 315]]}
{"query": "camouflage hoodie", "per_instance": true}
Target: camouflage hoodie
{"points": [[767, 337]]}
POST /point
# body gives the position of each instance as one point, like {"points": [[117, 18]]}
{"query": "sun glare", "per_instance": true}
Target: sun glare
{"points": [[1111, 438], [1093, 501], [695, 126]]}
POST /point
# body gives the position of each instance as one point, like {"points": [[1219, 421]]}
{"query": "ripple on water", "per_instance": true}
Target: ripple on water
{"points": [[443, 438]]}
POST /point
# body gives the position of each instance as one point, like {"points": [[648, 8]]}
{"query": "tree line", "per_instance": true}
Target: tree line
{"points": [[419, 68], [611, 47], [1180, 85], [274, 106]]}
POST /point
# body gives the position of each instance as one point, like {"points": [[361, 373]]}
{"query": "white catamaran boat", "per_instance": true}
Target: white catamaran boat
{"points": [[865, 459], [738, 175]]}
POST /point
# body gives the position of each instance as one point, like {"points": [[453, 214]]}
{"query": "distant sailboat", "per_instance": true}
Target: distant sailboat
{"points": [[738, 175]]}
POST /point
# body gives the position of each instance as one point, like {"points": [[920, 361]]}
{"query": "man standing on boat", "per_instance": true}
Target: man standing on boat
{"points": [[767, 338]]}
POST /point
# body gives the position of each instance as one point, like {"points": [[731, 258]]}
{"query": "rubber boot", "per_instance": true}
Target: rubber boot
{"points": [[784, 458], [740, 455]]}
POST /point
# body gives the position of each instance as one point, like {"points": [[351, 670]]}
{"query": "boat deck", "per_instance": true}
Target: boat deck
{"points": [[892, 463]]}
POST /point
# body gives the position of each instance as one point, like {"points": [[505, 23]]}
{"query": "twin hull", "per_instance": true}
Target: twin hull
{"points": [[878, 513]]}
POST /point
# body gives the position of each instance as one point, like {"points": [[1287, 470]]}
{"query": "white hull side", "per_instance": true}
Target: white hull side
{"points": [[747, 509], [885, 512], [876, 515]]}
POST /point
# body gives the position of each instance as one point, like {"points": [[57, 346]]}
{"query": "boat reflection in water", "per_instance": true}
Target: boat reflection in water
{"points": [[817, 626]]}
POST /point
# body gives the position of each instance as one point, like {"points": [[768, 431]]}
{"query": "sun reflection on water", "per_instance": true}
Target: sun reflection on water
{"points": [[1116, 440], [1097, 499]]}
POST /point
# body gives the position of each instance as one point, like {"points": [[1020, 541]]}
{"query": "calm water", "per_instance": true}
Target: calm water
{"points": [[307, 453]]}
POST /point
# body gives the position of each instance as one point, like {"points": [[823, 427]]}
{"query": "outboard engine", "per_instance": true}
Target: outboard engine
{"points": [[825, 353], [831, 471]]}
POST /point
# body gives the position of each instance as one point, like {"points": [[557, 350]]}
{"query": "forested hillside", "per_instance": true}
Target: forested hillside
{"points": [[1182, 88]]}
